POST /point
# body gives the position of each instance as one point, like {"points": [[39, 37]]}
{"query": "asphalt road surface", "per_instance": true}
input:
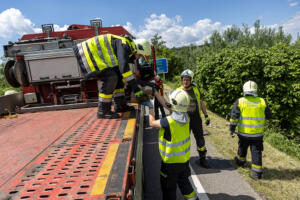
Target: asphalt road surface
{"points": [[220, 182]]}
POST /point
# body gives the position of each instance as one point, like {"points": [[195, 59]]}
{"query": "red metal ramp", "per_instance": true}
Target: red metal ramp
{"points": [[89, 160]]}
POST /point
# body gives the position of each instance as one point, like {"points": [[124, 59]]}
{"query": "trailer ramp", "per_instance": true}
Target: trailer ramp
{"points": [[67, 155]]}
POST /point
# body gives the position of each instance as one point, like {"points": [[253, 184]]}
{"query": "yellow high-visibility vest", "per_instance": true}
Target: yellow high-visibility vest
{"points": [[252, 115], [177, 150]]}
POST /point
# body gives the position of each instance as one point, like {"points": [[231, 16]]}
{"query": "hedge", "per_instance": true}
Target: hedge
{"points": [[276, 71]]}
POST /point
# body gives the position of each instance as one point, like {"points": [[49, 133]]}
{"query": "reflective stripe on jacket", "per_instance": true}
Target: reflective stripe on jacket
{"points": [[177, 150], [252, 117], [97, 54]]}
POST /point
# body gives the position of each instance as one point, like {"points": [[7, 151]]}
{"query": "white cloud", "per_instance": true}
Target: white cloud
{"points": [[294, 4], [292, 26], [173, 32], [12, 23]]}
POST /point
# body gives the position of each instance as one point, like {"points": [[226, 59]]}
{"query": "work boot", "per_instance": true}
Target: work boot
{"points": [[124, 108], [108, 115], [255, 175], [104, 111], [202, 159], [203, 163], [239, 162], [121, 106]]}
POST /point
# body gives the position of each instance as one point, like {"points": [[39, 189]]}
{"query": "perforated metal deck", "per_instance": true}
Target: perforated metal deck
{"points": [[90, 160]]}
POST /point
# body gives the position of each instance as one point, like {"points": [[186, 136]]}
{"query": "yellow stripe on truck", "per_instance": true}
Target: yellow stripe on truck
{"points": [[104, 172], [129, 128]]}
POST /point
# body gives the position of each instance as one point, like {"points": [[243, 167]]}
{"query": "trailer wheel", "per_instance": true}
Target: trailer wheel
{"points": [[10, 75], [21, 73]]}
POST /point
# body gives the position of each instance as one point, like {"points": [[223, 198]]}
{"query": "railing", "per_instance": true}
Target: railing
{"points": [[138, 193]]}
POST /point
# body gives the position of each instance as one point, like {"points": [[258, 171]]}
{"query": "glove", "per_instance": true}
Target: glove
{"points": [[141, 96], [207, 120], [139, 93], [147, 103], [232, 134]]}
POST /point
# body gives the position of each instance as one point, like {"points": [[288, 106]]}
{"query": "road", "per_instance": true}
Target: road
{"points": [[221, 182]]}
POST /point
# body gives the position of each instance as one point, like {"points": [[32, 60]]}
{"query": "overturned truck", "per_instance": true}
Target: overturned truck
{"points": [[57, 148]]}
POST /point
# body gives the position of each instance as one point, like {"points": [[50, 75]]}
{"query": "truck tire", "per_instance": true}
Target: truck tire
{"points": [[10, 75], [21, 73]]}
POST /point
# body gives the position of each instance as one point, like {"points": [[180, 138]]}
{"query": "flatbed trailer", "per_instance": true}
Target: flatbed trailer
{"points": [[70, 154]]}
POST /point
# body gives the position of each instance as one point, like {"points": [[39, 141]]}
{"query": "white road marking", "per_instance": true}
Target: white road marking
{"points": [[197, 186]]}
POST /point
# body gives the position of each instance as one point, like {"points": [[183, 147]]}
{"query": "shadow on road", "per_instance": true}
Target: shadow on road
{"points": [[222, 196], [216, 165]]}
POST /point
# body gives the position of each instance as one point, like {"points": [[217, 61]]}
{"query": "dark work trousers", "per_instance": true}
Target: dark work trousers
{"points": [[256, 147], [196, 127], [172, 175], [111, 79], [157, 106], [120, 83]]}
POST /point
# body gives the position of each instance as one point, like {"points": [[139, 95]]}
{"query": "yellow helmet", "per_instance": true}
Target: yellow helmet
{"points": [[250, 88], [143, 47], [179, 100]]}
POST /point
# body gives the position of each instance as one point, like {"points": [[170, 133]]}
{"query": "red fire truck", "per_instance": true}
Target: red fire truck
{"points": [[54, 147]]}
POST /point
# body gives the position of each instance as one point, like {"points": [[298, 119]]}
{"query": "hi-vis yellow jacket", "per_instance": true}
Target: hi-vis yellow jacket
{"points": [[249, 114], [105, 51], [177, 149]]}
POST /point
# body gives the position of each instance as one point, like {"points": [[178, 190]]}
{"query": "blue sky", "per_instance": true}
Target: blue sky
{"points": [[179, 22]]}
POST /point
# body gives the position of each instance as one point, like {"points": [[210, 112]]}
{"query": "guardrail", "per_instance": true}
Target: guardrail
{"points": [[139, 192]]}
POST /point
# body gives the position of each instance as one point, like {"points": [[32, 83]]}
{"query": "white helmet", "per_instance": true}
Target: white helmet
{"points": [[8, 92], [250, 88], [179, 100], [143, 47], [187, 73]]}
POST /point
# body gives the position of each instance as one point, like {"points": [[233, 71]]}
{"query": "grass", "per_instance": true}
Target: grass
{"points": [[281, 177], [276, 138]]}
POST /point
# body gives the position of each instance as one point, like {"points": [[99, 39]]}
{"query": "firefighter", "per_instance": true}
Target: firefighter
{"points": [[174, 147], [157, 105], [249, 114], [194, 112], [106, 58]]}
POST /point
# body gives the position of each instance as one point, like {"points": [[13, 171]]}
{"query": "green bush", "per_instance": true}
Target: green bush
{"points": [[276, 71], [4, 86]]}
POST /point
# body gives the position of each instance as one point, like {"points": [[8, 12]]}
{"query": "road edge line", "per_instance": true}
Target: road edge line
{"points": [[194, 180]]}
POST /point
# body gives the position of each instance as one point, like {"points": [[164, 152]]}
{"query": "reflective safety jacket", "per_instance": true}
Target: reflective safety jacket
{"points": [[197, 94], [177, 148], [105, 51], [249, 114]]}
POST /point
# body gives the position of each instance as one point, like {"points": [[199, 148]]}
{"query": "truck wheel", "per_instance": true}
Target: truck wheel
{"points": [[21, 73], [10, 75]]}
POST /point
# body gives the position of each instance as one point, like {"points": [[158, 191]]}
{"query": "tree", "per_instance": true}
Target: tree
{"points": [[175, 63]]}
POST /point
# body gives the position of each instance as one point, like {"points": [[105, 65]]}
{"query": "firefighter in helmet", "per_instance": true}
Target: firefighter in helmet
{"points": [[174, 147], [107, 57], [194, 111], [249, 114]]}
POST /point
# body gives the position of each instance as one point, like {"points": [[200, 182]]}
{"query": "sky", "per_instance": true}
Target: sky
{"points": [[179, 22]]}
